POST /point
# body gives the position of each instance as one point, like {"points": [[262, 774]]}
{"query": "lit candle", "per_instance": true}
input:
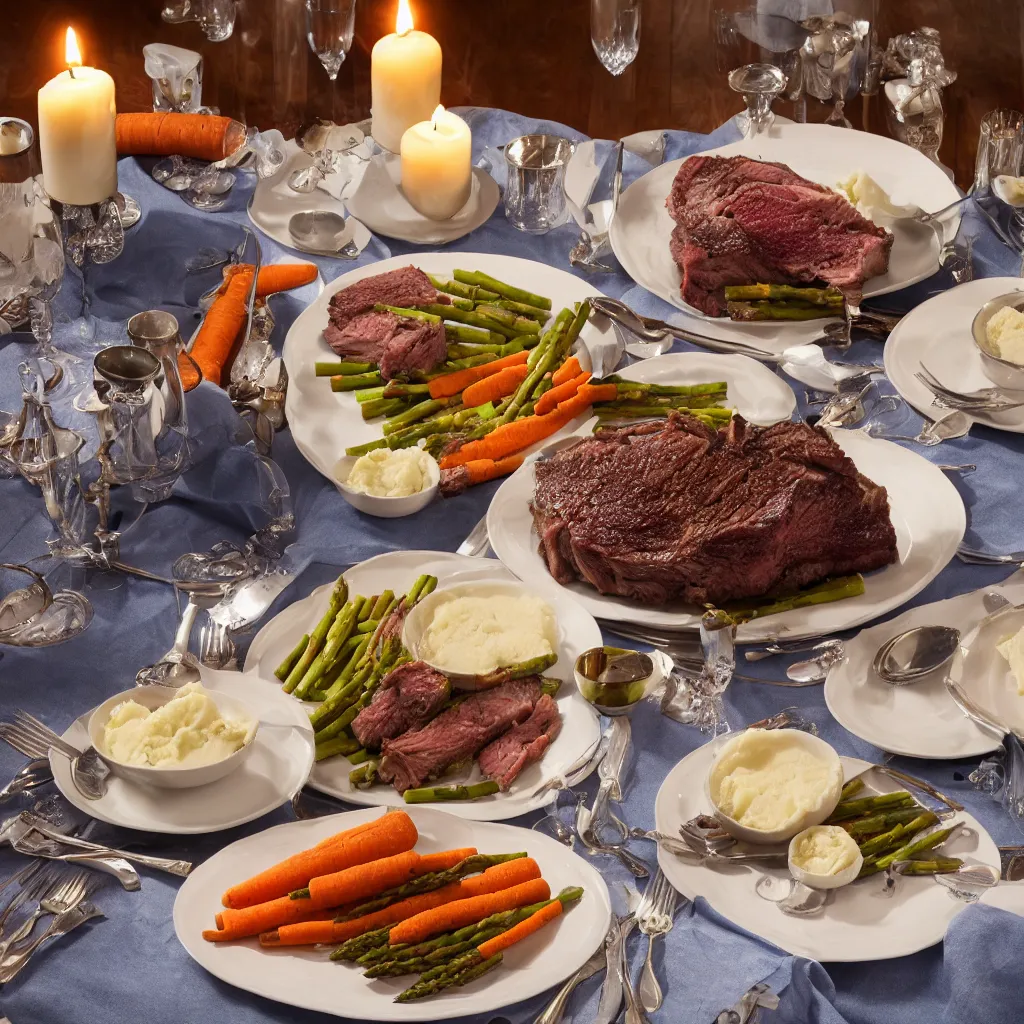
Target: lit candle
{"points": [[77, 146], [436, 170], [405, 80]]}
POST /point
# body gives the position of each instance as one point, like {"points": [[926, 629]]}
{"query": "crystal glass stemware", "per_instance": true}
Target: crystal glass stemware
{"points": [[330, 25], [759, 84], [615, 32]]}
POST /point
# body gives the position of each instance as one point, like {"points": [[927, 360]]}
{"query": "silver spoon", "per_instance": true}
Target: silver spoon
{"points": [[911, 655], [814, 670], [947, 428], [792, 897], [321, 232], [969, 881]]}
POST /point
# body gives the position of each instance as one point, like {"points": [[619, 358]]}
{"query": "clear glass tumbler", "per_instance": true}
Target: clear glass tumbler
{"points": [[535, 189], [1000, 146], [615, 32]]}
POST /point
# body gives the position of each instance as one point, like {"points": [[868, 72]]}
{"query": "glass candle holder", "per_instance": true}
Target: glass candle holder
{"points": [[535, 189]]}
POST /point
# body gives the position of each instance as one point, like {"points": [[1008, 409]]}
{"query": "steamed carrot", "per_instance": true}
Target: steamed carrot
{"points": [[452, 383], [569, 369], [494, 879], [550, 399], [584, 398], [280, 277], [517, 932], [462, 912], [385, 836], [507, 439], [365, 880], [240, 924], [495, 386], [221, 326], [202, 136], [191, 376], [482, 470]]}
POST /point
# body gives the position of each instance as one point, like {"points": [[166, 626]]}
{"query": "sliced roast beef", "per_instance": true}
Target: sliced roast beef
{"points": [[407, 699], [363, 338], [455, 736], [413, 345], [405, 287], [744, 221], [504, 758], [684, 512]]}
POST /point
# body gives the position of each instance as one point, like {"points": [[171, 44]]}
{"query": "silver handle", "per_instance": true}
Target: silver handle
{"points": [[599, 812], [972, 711], [636, 867], [611, 991], [554, 1010], [173, 867], [634, 1014], [22, 932], [184, 633], [59, 926], [651, 997]]}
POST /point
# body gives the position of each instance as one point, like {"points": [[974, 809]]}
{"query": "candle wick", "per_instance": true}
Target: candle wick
{"points": [[71, 71]]}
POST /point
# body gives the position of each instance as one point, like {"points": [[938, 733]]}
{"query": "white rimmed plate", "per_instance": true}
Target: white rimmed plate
{"points": [[914, 721], [926, 511], [278, 766], [306, 978], [323, 423], [642, 227], [397, 571], [859, 924], [937, 334]]}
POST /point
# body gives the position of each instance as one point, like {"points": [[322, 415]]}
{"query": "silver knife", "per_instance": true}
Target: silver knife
{"points": [[617, 180], [611, 992], [609, 771], [477, 542], [552, 1013]]}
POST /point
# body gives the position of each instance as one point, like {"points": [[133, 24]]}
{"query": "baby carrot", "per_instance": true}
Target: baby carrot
{"points": [[280, 277], [507, 439], [550, 399], [482, 470], [496, 386], [221, 325], [451, 384], [383, 837], [462, 912], [240, 924], [569, 369], [517, 932]]}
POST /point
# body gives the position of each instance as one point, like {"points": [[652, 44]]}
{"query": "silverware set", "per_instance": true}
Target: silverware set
{"points": [[982, 400]]}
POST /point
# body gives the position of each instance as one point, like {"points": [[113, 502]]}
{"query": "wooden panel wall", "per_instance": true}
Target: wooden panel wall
{"points": [[532, 56]]}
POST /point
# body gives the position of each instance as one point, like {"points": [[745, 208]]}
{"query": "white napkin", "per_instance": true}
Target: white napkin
{"points": [[352, 165], [605, 350], [807, 364]]}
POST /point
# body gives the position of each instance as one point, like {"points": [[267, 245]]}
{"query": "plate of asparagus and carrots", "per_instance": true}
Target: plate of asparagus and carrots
{"points": [[400, 915]]}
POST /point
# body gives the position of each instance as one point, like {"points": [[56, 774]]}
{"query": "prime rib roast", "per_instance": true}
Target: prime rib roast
{"points": [[397, 344], [407, 698], [458, 734], [504, 758], [679, 511], [744, 221]]}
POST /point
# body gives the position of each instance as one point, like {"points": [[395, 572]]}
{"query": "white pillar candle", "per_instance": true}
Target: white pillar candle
{"points": [[437, 172], [405, 80], [77, 145]]}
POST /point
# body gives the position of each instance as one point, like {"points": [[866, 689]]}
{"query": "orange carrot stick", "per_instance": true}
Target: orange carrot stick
{"points": [[569, 369], [240, 924], [496, 386], [507, 439], [462, 912], [280, 277], [550, 399], [584, 397], [382, 837], [221, 326], [494, 879], [452, 383], [517, 932], [482, 470], [202, 136]]}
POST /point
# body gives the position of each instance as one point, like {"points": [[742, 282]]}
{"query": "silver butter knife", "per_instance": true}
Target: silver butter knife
{"points": [[611, 992], [552, 1014], [477, 542]]}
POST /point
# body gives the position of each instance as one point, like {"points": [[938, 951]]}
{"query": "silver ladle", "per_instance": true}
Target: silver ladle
{"points": [[911, 655]]}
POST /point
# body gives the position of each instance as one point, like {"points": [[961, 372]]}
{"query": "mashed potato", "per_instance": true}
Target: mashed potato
{"points": [[476, 635], [824, 850], [390, 474], [186, 732], [1005, 333], [870, 199]]}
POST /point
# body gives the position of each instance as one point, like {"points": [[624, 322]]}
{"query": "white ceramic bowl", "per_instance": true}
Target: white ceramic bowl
{"points": [[386, 508], [817, 881], [187, 777], [998, 370], [419, 619], [812, 816]]}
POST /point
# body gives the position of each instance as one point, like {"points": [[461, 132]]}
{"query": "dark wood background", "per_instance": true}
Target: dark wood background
{"points": [[531, 56]]}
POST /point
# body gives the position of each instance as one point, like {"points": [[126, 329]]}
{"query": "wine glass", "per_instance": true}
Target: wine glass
{"points": [[615, 32], [330, 25]]}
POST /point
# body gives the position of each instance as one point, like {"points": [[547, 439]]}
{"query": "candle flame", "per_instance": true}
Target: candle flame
{"points": [[436, 114], [403, 23], [72, 54]]}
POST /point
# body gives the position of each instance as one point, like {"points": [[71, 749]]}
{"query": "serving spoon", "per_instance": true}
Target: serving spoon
{"points": [[911, 655]]}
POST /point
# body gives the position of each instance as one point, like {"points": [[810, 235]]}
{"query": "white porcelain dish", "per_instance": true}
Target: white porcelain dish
{"points": [[324, 423], [858, 924], [387, 508], [937, 334], [306, 978], [1002, 372], [277, 767], [397, 571], [926, 510], [171, 776], [815, 879], [984, 674], [642, 228]]}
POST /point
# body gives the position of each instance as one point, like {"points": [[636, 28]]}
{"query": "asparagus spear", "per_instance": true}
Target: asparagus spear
{"points": [[396, 968], [522, 309], [342, 698], [851, 787], [835, 589], [382, 604], [520, 324], [359, 756], [342, 369], [412, 314], [876, 823], [937, 866], [356, 380], [465, 291], [396, 389], [288, 664], [541, 360], [533, 667], [506, 291], [335, 746], [847, 809], [430, 793], [339, 595], [382, 407], [462, 334], [414, 413], [753, 292], [407, 438], [472, 318], [340, 631], [369, 446], [916, 845], [365, 775], [457, 350], [752, 311], [372, 394]]}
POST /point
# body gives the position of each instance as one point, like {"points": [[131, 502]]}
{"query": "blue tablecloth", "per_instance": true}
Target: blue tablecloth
{"points": [[130, 967]]}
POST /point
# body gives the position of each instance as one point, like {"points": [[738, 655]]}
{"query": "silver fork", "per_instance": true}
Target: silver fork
{"points": [[477, 542], [984, 399], [30, 890], [655, 920], [975, 557], [62, 924], [216, 648], [65, 893], [89, 772]]}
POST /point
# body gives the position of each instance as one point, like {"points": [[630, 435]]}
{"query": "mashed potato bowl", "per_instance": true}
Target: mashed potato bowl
{"points": [[386, 508], [775, 783], [170, 776]]}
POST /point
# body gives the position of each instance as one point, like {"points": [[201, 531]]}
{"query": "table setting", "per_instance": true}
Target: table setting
{"points": [[556, 578]]}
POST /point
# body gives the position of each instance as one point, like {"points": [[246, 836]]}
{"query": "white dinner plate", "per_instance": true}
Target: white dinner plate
{"points": [[937, 334], [278, 766], [642, 228], [756, 393], [858, 924], [920, 720], [927, 513], [985, 674], [306, 978], [397, 571], [324, 423]]}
